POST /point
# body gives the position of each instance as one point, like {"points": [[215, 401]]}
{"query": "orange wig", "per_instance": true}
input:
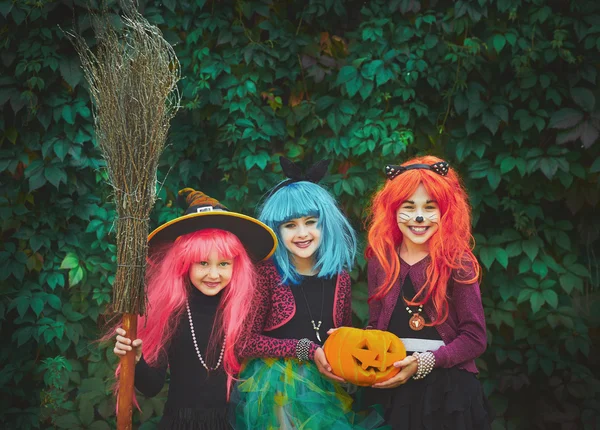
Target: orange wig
{"points": [[450, 247]]}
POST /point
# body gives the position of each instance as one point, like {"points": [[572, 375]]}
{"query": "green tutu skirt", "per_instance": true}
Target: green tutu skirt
{"points": [[274, 393]]}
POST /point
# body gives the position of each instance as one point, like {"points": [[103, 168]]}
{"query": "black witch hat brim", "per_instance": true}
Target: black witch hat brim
{"points": [[258, 239]]}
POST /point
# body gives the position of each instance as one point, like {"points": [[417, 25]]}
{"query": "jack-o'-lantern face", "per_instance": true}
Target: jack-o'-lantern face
{"points": [[363, 357]]}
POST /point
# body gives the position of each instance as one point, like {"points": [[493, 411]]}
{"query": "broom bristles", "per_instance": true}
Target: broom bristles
{"points": [[132, 80]]}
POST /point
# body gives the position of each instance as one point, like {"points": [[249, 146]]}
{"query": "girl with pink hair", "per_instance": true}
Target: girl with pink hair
{"points": [[200, 283]]}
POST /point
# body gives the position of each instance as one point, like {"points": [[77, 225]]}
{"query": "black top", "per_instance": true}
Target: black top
{"points": [[319, 293], [400, 317], [191, 386]]}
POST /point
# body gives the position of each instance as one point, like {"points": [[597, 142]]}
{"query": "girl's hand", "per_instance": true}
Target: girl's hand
{"points": [[123, 345], [409, 368], [324, 367], [332, 330]]}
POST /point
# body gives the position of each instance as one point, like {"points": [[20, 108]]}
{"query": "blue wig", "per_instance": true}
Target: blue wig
{"points": [[337, 247]]}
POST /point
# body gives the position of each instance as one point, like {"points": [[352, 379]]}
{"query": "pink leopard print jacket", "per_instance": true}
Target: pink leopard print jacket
{"points": [[274, 306]]}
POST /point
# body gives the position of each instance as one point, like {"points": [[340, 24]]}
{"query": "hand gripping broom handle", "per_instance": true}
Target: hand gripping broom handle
{"points": [[125, 397]]}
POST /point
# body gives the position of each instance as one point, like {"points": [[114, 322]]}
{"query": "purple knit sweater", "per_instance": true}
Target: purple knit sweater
{"points": [[463, 332]]}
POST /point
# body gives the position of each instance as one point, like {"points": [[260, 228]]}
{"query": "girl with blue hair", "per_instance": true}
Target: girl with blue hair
{"points": [[303, 291]]}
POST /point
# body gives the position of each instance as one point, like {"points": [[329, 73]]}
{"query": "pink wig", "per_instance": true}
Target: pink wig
{"points": [[168, 286]]}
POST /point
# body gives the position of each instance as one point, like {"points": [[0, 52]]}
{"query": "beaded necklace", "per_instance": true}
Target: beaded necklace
{"points": [[187, 306]]}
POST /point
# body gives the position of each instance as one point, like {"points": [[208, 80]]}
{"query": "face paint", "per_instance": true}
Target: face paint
{"points": [[422, 206], [404, 217]]}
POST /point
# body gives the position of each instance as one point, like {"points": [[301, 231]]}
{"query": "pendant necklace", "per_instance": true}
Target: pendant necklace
{"points": [[316, 327], [416, 322]]}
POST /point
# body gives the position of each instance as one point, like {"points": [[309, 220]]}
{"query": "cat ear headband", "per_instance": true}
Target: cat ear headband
{"points": [[393, 170], [294, 174]]}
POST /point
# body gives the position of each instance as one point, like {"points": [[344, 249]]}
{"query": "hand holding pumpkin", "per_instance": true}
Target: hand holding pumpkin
{"points": [[324, 367], [409, 368]]}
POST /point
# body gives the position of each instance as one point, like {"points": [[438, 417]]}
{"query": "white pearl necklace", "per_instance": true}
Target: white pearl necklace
{"points": [[187, 306]]}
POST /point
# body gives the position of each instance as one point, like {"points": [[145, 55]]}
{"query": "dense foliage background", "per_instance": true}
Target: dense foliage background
{"points": [[505, 90]]}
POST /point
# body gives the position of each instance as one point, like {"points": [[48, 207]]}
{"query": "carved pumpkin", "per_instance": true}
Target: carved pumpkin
{"points": [[364, 357]]}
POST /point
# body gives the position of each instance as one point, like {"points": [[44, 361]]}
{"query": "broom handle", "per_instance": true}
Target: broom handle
{"points": [[125, 398]]}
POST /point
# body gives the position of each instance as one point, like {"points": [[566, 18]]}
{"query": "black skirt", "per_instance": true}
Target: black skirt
{"points": [[194, 419], [446, 399]]}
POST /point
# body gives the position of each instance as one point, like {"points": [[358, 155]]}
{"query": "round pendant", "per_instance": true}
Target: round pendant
{"points": [[417, 322]]}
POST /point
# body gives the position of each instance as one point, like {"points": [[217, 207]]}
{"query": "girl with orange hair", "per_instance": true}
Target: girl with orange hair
{"points": [[423, 287]]}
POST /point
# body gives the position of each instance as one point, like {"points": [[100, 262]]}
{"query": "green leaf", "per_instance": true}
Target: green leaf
{"points": [[528, 81], [354, 85], [501, 257], [514, 249], [548, 166], [347, 107], [251, 87], [524, 295], [461, 103], [346, 74], [70, 69], [499, 41], [333, 123], [544, 81], [37, 305], [547, 366], [68, 114], [580, 270], [584, 98], [366, 89], [501, 112], [36, 242], [487, 257], [55, 175], [531, 248], [540, 269], [369, 70], [565, 118], [75, 275], [86, 412], [100, 425], [383, 76], [595, 167], [537, 300], [524, 265], [169, 4], [70, 261], [507, 165], [491, 121], [53, 301], [551, 298], [494, 177], [69, 421]]}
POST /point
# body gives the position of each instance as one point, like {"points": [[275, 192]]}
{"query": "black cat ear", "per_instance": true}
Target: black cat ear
{"points": [[317, 171], [291, 169]]}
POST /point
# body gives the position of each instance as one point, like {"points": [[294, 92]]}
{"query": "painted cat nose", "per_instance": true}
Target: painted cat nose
{"points": [[419, 219]]}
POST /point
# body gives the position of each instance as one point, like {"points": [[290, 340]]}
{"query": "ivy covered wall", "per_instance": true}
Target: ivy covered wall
{"points": [[505, 90]]}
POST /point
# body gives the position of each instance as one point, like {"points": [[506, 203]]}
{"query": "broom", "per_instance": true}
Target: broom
{"points": [[132, 79]]}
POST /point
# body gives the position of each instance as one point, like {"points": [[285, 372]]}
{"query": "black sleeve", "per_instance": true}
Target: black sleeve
{"points": [[149, 380]]}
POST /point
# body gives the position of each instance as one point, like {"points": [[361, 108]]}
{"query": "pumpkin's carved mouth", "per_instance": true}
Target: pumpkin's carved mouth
{"points": [[369, 359]]}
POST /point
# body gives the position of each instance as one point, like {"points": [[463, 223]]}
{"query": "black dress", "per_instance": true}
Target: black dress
{"points": [[446, 399], [314, 301], [197, 398]]}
